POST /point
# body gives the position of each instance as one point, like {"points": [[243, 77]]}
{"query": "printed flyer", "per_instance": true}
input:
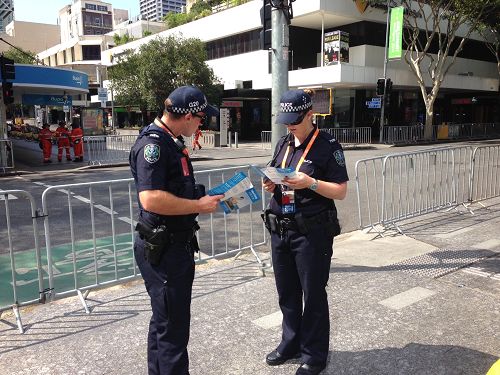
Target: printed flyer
{"points": [[276, 175], [238, 193]]}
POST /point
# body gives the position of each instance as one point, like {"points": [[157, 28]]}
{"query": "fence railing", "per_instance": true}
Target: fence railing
{"points": [[108, 149], [351, 137], [89, 232], [6, 155], [265, 139], [348, 137], [398, 186], [415, 133], [22, 263]]}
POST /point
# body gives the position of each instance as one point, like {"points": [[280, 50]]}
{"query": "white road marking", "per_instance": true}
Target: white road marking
{"points": [[269, 321], [9, 196], [127, 220], [407, 298]]}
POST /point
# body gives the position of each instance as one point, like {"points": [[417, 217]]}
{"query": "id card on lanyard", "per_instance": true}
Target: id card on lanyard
{"points": [[287, 194]]}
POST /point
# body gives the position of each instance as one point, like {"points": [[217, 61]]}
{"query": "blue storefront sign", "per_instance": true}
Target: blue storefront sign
{"points": [[53, 100], [44, 76]]}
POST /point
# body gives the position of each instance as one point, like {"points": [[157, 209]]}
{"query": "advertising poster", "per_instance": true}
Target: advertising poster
{"points": [[336, 47], [92, 121]]}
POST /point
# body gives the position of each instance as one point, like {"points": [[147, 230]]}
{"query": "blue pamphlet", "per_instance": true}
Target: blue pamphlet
{"points": [[274, 174], [238, 193]]}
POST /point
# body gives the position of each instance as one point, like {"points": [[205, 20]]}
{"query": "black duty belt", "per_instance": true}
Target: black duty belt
{"points": [[300, 223]]}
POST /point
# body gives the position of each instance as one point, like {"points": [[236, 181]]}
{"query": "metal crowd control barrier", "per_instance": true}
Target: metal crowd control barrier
{"points": [[351, 137], [265, 139], [403, 185], [25, 272], [421, 182], [485, 182], [6, 155], [445, 131], [89, 230], [108, 149]]}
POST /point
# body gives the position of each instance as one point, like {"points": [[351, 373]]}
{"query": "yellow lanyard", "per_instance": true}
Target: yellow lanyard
{"points": [[308, 147]]}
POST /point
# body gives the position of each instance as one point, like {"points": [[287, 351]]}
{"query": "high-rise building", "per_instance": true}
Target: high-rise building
{"points": [[154, 10], [6, 13]]}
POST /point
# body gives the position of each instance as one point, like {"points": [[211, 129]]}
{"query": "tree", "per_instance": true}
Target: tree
{"points": [[432, 43], [146, 78], [489, 28], [21, 56], [124, 39]]}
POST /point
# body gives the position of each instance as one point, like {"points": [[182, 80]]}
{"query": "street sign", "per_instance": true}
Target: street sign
{"points": [[102, 94], [66, 108], [374, 103]]}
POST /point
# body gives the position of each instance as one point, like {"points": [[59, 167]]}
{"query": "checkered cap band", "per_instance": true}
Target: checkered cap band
{"points": [[289, 107], [194, 107]]}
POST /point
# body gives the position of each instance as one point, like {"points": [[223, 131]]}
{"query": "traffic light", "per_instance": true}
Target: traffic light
{"points": [[7, 92], [8, 69], [380, 86], [388, 92], [265, 19]]}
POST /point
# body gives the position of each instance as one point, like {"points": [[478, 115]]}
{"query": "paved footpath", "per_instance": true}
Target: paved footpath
{"points": [[408, 304]]}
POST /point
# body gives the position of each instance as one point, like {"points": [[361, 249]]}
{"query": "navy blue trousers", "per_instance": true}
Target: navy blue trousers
{"points": [[169, 286], [301, 268]]}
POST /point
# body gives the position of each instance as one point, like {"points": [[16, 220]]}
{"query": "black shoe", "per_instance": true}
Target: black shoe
{"points": [[274, 358], [306, 369]]}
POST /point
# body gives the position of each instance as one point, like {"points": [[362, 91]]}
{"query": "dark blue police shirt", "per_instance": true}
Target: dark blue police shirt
{"points": [[156, 164], [325, 161]]}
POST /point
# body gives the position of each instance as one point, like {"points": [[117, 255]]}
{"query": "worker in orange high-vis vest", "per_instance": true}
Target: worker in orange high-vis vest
{"points": [[62, 136], [45, 139], [76, 139], [196, 138]]}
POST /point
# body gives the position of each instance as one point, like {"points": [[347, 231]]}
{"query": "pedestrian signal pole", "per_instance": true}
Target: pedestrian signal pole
{"points": [[280, 19], [382, 108]]}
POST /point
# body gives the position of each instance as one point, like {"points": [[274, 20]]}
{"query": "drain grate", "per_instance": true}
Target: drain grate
{"points": [[439, 263]]}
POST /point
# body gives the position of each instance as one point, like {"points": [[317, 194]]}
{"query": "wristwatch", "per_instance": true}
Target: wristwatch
{"points": [[314, 185]]}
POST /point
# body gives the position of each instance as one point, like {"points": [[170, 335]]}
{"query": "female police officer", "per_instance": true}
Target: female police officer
{"points": [[303, 221], [169, 202]]}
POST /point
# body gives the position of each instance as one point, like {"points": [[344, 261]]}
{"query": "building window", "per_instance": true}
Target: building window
{"points": [[91, 52], [90, 6], [102, 8]]}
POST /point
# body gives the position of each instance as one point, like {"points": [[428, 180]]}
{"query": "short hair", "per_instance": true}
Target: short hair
{"points": [[168, 106]]}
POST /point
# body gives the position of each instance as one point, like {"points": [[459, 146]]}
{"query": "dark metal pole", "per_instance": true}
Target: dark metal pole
{"points": [[382, 107]]}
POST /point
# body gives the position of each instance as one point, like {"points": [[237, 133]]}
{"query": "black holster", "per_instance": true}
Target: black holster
{"points": [[155, 241]]}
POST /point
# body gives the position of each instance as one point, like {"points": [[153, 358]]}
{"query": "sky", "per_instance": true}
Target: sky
{"points": [[47, 11]]}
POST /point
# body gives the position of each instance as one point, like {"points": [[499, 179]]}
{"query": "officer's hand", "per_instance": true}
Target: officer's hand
{"points": [[269, 186], [209, 203], [300, 181]]}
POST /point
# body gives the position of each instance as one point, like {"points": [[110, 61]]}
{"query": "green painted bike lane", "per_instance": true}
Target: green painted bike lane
{"points": [[62, 260]]}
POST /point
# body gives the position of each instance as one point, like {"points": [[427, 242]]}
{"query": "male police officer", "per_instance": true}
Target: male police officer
{"points": [[169, 201]]}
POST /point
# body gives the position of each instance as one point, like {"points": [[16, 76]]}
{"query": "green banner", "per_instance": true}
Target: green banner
{"points": [[396, 33]]}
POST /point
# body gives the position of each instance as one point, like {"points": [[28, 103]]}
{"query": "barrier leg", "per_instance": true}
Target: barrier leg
{"points": [[83, 296], [15, 309]]}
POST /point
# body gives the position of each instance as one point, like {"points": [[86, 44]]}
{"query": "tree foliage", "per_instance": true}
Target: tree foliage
{"points": [[21, 56], [124, 39], [146, 78], [435, 32]]}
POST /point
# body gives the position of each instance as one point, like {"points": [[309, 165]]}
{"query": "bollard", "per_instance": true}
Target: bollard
{"points": [[235, 139], [229, 143]]}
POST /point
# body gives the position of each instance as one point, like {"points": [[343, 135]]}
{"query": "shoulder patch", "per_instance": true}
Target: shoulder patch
{"points": [[339, 158], [151, 153], [333, 140]]}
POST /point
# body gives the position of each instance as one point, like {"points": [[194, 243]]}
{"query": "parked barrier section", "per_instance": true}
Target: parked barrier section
{"points": [[485, 182], [265, 139], [351, 137], [109, 149], [415, 133], [21, 273], [403, 185]]}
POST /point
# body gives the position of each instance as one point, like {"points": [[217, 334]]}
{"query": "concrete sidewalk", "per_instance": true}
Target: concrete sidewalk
{"points": [[409, 304]]}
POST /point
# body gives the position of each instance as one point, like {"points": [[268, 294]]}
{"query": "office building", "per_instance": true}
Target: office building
{"points": [[6, 13], [155, 10]]}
